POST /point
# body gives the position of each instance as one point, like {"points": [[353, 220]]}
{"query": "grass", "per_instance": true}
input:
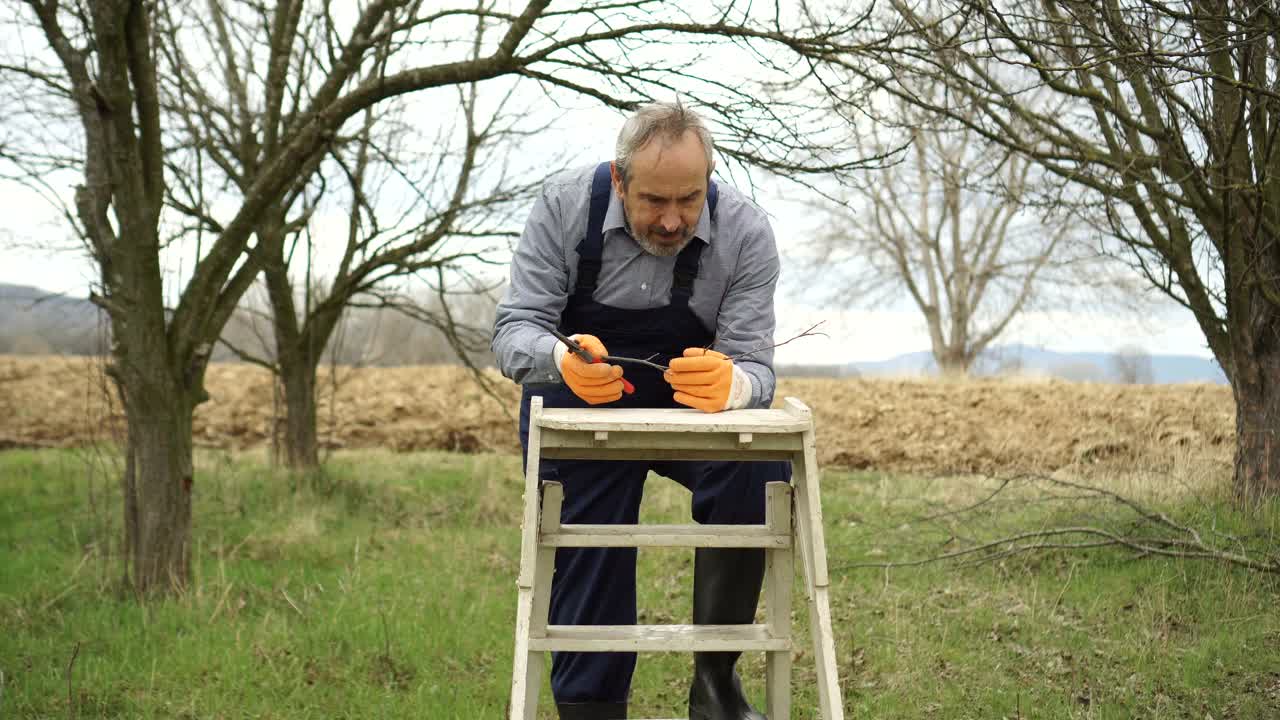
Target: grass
{"points": [[386, 589]]}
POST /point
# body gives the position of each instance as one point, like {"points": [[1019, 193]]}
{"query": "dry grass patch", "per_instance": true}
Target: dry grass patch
{"points": [[920, 426]]}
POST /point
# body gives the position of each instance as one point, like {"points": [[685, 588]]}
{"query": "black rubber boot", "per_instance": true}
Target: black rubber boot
{"points": [[726, 587], [592, 711]]}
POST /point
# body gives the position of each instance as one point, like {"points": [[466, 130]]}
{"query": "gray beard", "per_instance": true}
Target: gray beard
{"points": [[654, 248], [661, 250]]}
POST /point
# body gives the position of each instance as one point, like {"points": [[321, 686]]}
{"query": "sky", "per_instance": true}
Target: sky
{"points": [[853, 333]]}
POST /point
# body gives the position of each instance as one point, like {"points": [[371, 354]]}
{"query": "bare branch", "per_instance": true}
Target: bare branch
{"points": [[1150, 534]]}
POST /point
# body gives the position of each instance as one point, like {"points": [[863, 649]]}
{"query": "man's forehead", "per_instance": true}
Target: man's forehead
{"points": [[669, 153], [667, 192]]}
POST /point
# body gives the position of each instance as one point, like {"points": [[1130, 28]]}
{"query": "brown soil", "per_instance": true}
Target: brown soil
{"points": [[908, 425]]}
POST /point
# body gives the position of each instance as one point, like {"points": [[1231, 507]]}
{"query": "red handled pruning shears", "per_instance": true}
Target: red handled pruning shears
{"points": [[587, 357]]}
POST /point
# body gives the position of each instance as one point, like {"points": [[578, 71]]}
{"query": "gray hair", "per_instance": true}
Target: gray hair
{"points": [[667, 121]]}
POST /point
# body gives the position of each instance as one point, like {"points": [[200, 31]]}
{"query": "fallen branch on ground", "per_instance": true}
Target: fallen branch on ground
{"points": [[1150, 533]]}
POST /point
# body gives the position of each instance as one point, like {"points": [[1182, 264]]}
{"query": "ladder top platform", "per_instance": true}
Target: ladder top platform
{"points": [[793, 418]]}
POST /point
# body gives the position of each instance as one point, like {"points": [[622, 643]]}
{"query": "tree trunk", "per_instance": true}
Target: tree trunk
{"points": [[157, 482], [1257, 395], [952, 362], [298, 376]]}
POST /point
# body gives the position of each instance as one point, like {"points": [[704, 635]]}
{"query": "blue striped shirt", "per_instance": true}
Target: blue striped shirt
{"points": [[733, 294]]}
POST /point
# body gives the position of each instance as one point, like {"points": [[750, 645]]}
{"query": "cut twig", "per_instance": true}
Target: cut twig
{"points": [[636, 361], [386, 635], [221, 600], [663, 368], [807, 333], [292, 604], [71, 700]]}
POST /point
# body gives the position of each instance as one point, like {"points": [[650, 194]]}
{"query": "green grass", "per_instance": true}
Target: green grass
{"points": [[387, 589]]}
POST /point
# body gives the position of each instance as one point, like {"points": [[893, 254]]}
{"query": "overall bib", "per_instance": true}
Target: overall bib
{"points": [[597, 586]]}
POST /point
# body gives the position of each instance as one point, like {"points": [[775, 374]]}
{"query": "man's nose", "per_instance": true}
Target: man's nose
{"points": [[670, 220]]}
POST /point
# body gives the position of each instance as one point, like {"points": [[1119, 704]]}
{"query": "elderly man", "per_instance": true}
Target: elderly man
{"points": [[638, 257]]}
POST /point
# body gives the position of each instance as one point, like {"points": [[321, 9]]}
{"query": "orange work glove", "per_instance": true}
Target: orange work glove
{"points": [[596, 383], [702, 379]]}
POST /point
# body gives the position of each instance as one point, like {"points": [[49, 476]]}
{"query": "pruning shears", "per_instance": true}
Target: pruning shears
{"points": [[587, 357]]}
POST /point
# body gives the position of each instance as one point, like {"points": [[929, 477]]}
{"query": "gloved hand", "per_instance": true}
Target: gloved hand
{"points": [[595, 383], [702, 379]]}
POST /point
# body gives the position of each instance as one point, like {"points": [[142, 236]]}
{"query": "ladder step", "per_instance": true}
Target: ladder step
{"points": [[658, 638], [731, 536]]}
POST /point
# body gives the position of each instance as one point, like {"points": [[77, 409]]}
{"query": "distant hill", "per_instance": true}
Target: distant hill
{"points": [[1163, 368], [34, 322], [1027, 360]]}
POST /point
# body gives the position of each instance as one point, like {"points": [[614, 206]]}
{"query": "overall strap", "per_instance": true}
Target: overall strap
{"points": [[591, 249], [686, 269], [592, 246]]}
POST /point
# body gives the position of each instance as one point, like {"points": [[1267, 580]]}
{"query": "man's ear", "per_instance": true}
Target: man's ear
{"points": [[617, 178]]}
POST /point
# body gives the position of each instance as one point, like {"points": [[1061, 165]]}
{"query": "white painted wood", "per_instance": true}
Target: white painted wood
{"points": [[727, 443], [813, 509], [672, 419], [824, 655], [777, 678], [802, 519], [796, 407], [527, 664], [814, 552], [549, 523], [529, 524], [646, 454], [666, 536], [793, 517], [535, 660], [659, 638], [779, 574]]}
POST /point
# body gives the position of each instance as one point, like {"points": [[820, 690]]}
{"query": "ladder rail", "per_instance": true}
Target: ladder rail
{"points": [[723, 536]]}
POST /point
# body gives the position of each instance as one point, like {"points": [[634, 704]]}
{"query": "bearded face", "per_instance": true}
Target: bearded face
{"points": [[664, 193]]}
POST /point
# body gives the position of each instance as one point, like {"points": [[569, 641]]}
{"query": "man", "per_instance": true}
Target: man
{"points": [[641, 256]]}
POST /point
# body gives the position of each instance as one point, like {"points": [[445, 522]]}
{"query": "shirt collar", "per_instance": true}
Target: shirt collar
{"points": [[616, 219]]}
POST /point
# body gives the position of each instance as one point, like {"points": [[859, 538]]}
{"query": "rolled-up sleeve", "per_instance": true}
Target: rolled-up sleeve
{"points": [[746, 320], [534, 299]]}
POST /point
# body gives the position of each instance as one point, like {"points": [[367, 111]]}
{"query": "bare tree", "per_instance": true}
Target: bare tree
{"points": [[1132, 366], [415, 329], [953, 225], [101, 71], [385, 155], [1167, 112]]}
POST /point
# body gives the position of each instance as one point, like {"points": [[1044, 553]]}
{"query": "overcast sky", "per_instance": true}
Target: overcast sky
{"points": [[856, 333]]}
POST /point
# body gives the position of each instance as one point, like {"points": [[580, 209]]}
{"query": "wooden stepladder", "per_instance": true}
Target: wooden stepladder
{"points": [[679, 434]]}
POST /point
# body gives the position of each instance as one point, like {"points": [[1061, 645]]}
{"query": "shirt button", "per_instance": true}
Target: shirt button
{"points": [[644, 286]]}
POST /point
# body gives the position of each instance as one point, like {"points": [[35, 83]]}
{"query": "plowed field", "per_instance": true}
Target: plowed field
{"points": [[908, 425]]}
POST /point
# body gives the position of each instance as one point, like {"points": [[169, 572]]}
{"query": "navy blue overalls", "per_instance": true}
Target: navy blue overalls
{"points": [[597, 586]]}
